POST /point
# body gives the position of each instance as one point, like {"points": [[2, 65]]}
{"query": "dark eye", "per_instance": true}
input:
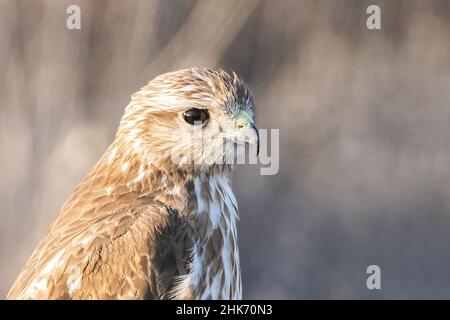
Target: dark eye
{"points": [[196, 116]]}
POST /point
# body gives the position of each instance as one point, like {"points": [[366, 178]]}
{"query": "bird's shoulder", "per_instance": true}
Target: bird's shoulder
{"points": [[107, 246]]}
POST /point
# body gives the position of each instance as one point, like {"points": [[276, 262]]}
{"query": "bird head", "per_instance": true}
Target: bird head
{"points": [[195, 118]]}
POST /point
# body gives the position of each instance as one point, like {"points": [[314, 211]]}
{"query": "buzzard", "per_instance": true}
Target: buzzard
{"points": [[155, 218]]}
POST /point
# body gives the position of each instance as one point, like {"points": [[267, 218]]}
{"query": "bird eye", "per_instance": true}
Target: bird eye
{"points": [[196, 116]]}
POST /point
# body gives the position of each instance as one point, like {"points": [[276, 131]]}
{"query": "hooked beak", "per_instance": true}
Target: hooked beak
{"points": [[248, 132]]}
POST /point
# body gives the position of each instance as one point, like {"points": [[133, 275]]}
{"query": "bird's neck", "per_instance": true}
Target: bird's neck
{"points": [[164, 181]]}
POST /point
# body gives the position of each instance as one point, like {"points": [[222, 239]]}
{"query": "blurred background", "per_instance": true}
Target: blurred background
{"points": [[364, 119]]}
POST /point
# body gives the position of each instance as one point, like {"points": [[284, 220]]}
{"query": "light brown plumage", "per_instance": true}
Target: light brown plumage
{"points": [[140, 225]]}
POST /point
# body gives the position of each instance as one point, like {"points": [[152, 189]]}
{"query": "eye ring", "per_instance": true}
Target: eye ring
{"points": [[196, 116]]}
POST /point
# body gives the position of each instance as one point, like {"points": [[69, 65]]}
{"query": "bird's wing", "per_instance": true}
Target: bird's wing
{"points": [[126, 248]]}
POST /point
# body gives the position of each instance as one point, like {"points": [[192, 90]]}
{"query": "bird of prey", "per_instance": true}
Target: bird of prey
{"points": [[155, 218]]}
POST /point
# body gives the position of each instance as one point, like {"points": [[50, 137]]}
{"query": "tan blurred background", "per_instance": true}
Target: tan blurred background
{"points": [[364, 120]]}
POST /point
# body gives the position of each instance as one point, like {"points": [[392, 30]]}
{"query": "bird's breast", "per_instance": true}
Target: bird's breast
{"points": [[214, 268]]}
